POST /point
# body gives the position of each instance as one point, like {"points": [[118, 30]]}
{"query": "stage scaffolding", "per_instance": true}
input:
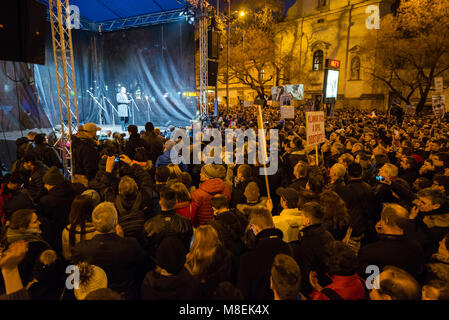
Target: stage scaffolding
{"points": [[202, 29], [65, 77]]}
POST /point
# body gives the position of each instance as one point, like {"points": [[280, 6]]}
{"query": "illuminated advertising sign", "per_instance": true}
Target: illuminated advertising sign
{"points": [[331, 84]]}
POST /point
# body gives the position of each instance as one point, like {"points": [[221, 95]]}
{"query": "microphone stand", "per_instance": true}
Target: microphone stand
{"points": [[135, 105], [99, 104], [113, 110], [149, 108]]}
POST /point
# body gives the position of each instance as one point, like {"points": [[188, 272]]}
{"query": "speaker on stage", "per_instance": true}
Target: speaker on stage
{"points": [[212, 73], [23, 31], [213, 44]]}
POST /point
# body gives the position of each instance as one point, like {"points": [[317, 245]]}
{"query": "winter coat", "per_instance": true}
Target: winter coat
{"points": [[130, 217], [54, 210], [310, 251], [85, 156], [289, 222], [219, 271], [230, 226], [394, 250], [185, 209], [35, 183], [154, 145], [47, 155], [255, 265], [428, 228], [360, 201], [135, 142], [201, 199], [122, 259], [246, 207], [181, 286], [165, 224], [20, 199], [347, 287]]}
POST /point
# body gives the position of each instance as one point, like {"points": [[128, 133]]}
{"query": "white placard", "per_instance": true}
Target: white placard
{"points": [[439, 84], [315, 128]]}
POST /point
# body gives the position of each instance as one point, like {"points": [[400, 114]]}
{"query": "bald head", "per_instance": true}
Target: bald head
{"points": [[396, 284]]}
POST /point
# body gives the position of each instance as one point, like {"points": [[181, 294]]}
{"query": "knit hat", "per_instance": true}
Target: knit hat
{"points": [[213, 171], [252, 192], [53, 176], [94, 195], [90, 126], [290, 195], [97, 279], [171, 255]]}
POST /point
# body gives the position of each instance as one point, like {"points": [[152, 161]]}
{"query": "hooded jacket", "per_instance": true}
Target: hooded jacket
{"points": [[201, 199], [130, 217], [85, 156]]}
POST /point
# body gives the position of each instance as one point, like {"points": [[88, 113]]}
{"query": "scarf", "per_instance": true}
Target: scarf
{"points": [[28, 235]]}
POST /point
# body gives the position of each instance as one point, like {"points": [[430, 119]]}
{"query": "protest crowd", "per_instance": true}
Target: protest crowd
{"points": [[368, 220]]}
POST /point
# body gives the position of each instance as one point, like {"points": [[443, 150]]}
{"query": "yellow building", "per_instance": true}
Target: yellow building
{"points": [[316, 30]]}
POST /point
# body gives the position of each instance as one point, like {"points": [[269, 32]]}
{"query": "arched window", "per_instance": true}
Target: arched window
{"points": [[322, 3], [318, 60], [355, 68]]}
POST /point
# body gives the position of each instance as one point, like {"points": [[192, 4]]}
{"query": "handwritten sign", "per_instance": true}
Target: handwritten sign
{"points": [[315, 127], [288, 112]]}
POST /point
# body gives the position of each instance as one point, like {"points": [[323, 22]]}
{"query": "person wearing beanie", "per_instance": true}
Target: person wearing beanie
{"points": [[55, 206], [253, 198], [122, 258], [212, 183], [170, 280], [92, 278]]}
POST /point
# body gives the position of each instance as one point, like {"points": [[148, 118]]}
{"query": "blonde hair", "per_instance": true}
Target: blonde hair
{"points": [[175, 171], [202, 252]]}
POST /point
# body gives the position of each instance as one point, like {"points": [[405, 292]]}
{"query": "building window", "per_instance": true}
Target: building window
{"points": [[355, 68], [262, 75], [322, 3], [318, 60]]}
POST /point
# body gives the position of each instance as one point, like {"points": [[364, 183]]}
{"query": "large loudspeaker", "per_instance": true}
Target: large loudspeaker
{"points": [[213, 44], [212, 73], [23, 31]]}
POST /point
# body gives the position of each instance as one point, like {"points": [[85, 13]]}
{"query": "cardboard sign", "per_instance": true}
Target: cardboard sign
{"points": [[288, 112], [315, 128], [438, 106], [439, 84]]}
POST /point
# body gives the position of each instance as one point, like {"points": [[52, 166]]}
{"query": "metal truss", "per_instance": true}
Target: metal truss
{"points": [[203, 38], [65, 76], [141, 21]]}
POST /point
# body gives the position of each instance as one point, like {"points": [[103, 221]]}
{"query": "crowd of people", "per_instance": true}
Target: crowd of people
{"points": [[365, 218]]}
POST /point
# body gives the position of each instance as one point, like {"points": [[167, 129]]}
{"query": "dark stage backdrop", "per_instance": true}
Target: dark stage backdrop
{"points": [[155, 64]]}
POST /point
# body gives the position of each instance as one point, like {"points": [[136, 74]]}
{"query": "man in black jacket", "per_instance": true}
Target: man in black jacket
{"points": [[255, 265], [310, 250], [136, 148], [35, 171], [123, 259], [85, 153], [429, 219], [359, 199], [46, 153], [154, 145], [55, 206], [393, 247], [168, 222]]}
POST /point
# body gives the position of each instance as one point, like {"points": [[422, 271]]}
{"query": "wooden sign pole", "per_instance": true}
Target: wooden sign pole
{"points": [[263, 147]]}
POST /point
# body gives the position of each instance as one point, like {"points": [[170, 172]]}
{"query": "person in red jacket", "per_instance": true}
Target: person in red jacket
{"points": [[341, 266], [212, 183], [184, 205]]}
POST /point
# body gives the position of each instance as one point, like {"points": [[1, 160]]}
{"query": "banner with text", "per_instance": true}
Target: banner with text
{"points": [[315, 128]]}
